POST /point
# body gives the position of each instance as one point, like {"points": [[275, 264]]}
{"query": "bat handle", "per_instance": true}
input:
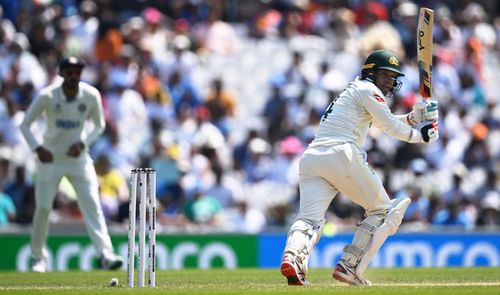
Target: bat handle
{"points": [[419, 111]]}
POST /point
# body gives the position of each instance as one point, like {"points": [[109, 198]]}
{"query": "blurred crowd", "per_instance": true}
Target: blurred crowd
{"points": [[221, 97]]}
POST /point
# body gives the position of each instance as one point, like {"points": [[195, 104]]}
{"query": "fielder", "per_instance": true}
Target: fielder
{"points": [[334, 162], [67, 105]]}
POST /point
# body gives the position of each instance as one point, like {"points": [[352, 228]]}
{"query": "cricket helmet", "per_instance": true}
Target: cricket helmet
{"points": [[380, 59], [71, 62]]}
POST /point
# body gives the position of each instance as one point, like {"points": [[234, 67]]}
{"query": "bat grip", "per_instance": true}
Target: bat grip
{"points": [[419, 108]]}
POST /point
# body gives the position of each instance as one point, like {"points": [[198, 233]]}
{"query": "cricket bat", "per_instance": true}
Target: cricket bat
{"points": [[424, 51], [424, 57]]}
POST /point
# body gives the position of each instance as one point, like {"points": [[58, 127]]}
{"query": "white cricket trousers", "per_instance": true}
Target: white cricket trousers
{"points": [[326, 170], [81, 173]]}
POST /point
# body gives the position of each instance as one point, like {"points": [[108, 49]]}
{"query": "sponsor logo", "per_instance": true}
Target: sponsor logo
{"points": [[206, 256], [67, 124], [400, 250], [417, 254], [421, 35]]}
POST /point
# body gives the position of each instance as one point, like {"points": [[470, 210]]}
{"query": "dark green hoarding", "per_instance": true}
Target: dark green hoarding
{"points": [[172, 251]]}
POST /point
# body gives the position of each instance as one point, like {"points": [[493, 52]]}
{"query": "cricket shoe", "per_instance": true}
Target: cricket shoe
{"points": [[110, 263], [38, 265], [345, 274], [293, 271]]}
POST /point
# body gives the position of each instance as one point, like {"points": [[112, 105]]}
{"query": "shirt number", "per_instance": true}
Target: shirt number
{"points": [[330, 106]]}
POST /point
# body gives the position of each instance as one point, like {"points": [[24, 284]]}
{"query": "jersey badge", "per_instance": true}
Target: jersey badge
{"points": [[82, 107]]}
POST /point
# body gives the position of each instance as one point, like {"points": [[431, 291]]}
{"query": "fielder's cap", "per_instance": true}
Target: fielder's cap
{"points": [[418, 165], [491, 201], [21, 40], [71, 62], [152, 15], [259, 146], [181, 42], [88, 6], [290, 145]]}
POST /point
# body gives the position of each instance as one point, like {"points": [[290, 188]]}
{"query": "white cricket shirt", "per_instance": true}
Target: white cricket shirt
{"points": [[352, 112], [65, 119]]}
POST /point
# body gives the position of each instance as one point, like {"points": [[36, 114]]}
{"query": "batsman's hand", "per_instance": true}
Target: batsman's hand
{"points": [[423, 111], [44, 155], [429, 131], [431, 112], [75, 149]]}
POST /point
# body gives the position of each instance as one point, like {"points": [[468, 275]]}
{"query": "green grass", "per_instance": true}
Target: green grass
{"points": [[257, 281]]}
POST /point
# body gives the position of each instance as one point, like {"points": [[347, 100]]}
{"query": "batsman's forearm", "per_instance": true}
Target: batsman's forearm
{"points": [[404, 119], [404, 132]]}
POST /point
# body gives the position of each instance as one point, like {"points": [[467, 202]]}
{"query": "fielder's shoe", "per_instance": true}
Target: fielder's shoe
{"points": [[110, 263], [38, 265], [347, 275], [293, 271]]}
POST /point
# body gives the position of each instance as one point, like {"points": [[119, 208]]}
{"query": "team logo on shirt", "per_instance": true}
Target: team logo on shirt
{"points": [[82, 107], [378, 98], [57, 108]]}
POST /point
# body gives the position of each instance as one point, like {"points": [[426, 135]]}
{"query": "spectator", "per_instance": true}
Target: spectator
{"points": [[418, 210], [220, 190], [221, 105], [120, 153], [19, 191], [203, 208], [155, 33], [489, 216], [129, 111], [244, 219], [241, 151], [109, 40], [275, 114], [454, 215], [164, 161], [113, 189], [183, 92], [286, 162], [7, 210], [179, 59], [21, 66], [216, 35], [259, 165], [84, 26]]}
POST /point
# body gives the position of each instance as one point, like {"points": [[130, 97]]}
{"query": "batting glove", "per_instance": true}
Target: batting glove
{"points": [[429, 131], [431, 112], [423, 111]]}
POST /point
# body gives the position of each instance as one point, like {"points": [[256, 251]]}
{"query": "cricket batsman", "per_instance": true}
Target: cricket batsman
{"points": [[67, 105], [334, 162]]}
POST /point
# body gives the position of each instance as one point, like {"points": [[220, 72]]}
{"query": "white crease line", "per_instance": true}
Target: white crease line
{"points": [[447, 284]]}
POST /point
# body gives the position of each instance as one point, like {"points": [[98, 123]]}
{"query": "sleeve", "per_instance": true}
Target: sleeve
{"points": [[34, 111], [97, 117], [384, 119], [403, 118]]}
